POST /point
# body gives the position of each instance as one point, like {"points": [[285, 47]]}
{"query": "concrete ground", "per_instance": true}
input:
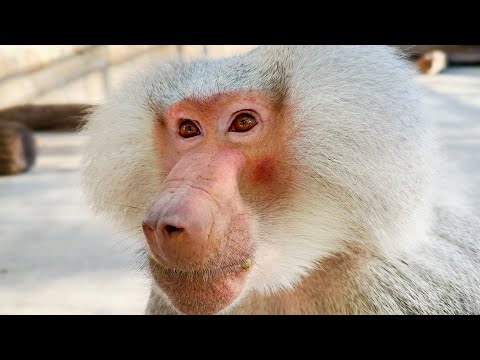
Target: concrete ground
{"points": [[55, 258]]}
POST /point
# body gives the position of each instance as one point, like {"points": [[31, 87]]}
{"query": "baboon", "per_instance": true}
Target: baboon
{"points": [[287, 180]]}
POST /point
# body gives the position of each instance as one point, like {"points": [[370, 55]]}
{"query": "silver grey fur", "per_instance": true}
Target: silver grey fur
{"points": [[366, 158]]}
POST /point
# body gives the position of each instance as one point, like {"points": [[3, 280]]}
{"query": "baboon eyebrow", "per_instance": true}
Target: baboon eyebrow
{"points": [[157, 110], [160, 119], [159, 116]]}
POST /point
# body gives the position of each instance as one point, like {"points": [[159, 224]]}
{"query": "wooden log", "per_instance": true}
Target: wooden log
{"points": [[433, 59], [432, 62], [469, 52], [17, 148], [61, 117]]}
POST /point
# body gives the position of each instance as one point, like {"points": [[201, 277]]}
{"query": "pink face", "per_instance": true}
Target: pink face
{"points": [[222, 157]]}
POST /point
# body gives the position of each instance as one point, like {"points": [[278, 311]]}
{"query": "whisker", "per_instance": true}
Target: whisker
{"points": [[125, 230]]}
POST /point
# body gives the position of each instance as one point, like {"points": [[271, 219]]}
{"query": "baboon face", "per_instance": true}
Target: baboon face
{"points": [[222, 158]]}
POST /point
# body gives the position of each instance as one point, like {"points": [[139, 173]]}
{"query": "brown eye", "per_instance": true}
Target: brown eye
{"points": [[188, 129], [243, 122]]}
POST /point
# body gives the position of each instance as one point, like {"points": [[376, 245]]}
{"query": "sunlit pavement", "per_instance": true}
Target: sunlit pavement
{"points": [[55, 258]]}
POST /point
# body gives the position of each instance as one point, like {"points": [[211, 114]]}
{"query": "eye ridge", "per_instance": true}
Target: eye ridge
{"points": [[188, 129], [243, 122]]}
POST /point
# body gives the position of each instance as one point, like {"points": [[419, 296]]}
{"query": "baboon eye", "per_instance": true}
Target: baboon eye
{"points": [[243, 122], [188, 129]]}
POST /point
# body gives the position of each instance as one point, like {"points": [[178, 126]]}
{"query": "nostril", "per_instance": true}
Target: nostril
{"points": [[146, 228], [149, 232], [170, 229]]}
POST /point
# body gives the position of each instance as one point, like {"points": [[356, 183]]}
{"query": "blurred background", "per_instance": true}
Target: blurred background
{"points": [[55, 257]]}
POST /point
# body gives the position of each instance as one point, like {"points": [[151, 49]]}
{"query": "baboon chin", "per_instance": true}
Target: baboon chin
{"points": [[287, 180]]}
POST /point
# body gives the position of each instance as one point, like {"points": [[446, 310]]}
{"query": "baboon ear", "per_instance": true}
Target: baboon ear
{"points": [[17, 148]]}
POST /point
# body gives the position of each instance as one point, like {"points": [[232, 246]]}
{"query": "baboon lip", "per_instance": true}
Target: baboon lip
{"points": [[201, 292], [207, 272]]}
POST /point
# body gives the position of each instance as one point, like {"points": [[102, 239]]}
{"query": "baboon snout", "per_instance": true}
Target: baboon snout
{"points": [[197, 212], [180, 230]]}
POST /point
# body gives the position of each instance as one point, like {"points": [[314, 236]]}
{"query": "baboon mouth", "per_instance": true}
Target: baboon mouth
{"points": [[205, 291], [206, 273]]}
